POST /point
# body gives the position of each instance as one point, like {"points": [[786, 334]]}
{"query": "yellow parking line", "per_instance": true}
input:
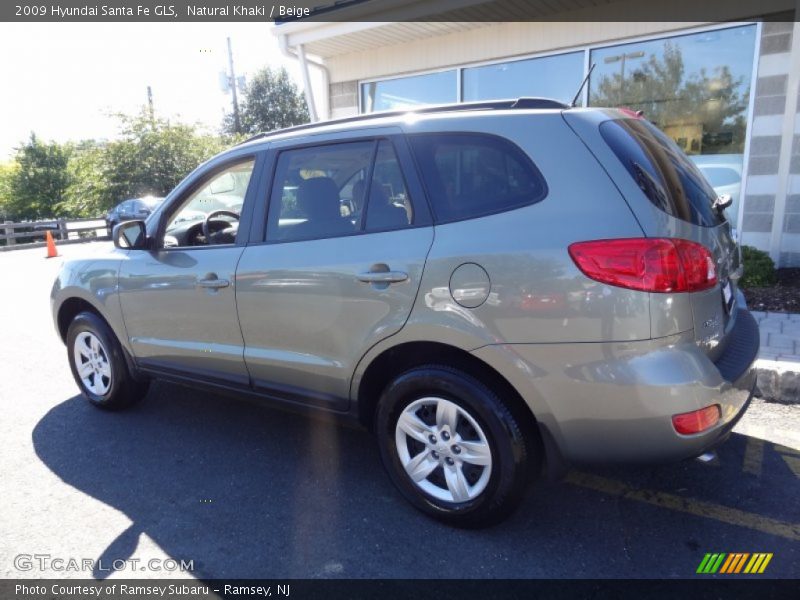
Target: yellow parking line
{"points": [[786, 449], [793, 463], [699, 508], [753, 456]]}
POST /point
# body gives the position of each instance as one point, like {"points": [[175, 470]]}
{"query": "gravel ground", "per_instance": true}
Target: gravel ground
{"points": [[784, 296]]}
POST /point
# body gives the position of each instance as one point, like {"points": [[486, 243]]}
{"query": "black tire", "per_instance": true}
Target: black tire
{"points": [[515, 451], [123, 389]]}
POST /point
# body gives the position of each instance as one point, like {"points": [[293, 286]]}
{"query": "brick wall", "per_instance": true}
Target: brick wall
{"points": [[344, 99]]}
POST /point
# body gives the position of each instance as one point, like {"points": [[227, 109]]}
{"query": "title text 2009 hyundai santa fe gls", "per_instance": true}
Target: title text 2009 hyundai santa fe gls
{"points": [[495, 290]]}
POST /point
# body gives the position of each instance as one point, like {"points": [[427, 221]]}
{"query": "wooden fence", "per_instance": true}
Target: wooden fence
{"points": [[31, 232]]}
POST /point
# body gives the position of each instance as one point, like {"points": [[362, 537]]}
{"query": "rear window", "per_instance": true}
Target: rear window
{"points": [[469, 175], [662, 171]]}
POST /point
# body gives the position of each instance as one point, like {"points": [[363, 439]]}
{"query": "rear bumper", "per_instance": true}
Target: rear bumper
{"points": [[614, 402]]}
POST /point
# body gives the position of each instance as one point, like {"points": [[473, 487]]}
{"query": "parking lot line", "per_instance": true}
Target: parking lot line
{"points": [[699, 508], [753, 456]]}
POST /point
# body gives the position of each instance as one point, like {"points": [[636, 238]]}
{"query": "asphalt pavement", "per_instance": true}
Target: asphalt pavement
{"points": [[239, 491]]}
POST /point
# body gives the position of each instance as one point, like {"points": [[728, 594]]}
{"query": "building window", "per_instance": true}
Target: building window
{"points": [[409, 92], [694, 87], [557, 77]]}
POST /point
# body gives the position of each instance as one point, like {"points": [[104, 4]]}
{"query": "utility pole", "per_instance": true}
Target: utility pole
{"points": [[622, 57], [150, 107], [236, 123]]}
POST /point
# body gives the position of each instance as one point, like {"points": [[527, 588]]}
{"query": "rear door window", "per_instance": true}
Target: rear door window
{"points": [[662, 171], [389, 205], [470, 175]]}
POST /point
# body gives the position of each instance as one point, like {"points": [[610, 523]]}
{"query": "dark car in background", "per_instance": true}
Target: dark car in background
{"points": [[132, 209]]}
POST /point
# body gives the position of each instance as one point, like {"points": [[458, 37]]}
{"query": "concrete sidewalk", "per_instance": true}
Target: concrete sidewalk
{"points": [[779, 358]]}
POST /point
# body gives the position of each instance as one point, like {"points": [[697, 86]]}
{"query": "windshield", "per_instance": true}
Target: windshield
{"points": [[150, 202]]}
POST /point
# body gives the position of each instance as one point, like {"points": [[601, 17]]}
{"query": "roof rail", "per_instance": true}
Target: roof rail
{"points": [[519, 103]]}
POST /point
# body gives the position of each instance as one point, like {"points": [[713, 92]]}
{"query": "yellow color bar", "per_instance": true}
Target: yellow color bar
{"points": [[765, 563], [753, 564]]}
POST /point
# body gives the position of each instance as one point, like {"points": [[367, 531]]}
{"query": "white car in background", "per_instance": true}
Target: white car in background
{"points": [[724, 173]]}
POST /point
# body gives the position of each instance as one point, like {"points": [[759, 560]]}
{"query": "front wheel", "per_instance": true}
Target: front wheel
{"points": [[98, 364], [452, 447]]}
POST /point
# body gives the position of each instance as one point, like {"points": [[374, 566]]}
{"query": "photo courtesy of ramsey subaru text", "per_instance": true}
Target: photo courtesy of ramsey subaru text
{"points": [[497, 290]]}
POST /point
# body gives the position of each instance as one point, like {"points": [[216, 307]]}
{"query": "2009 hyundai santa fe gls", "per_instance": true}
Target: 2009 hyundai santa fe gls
{"points": [[494, 289]]}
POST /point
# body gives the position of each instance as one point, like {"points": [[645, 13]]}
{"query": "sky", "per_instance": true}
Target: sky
{"points": [[62, 80]]}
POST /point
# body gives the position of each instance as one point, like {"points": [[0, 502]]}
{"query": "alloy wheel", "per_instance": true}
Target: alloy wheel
{"points": [[443, 449]]}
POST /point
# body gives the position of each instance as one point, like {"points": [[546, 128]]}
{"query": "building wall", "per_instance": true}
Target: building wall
{"points": [[486, 42], [489, 41], [771, 208], [790, 236]]}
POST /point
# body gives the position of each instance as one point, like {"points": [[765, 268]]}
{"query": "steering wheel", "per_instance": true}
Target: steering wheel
{"points": [[210, 216]]}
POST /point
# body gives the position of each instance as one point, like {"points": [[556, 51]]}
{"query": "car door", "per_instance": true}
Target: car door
{"points": [[339, 267], [178, 299]]}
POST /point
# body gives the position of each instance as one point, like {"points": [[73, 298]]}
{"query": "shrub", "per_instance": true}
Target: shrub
{"points": [[759, 270]]}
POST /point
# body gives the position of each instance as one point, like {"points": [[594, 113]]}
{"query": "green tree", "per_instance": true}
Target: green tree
{"points": [[153, 156], [6, 173], [271, 101], [85, 179], [87, 194], [668, 96], [39, 181]]}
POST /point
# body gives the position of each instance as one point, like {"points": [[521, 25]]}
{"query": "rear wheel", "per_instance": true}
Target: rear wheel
{"points": [[452, 447], [98, 364]]}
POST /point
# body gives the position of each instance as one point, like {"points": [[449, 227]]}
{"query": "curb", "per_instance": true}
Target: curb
{"points": [[779, 380]]}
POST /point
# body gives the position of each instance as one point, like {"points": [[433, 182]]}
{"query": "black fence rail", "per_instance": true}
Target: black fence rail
{"points": [[30, 233]]}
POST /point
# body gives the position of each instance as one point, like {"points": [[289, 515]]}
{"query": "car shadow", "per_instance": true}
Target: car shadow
{"points": [[243, 491]]}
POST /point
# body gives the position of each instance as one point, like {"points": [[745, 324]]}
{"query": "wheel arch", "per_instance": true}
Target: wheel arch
{"points": [[400, 358], [70, 308], [73, 306]]}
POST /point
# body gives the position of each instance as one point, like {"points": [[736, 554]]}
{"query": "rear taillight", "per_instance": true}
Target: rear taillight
{"points": [[696, 421], [647, 264]]}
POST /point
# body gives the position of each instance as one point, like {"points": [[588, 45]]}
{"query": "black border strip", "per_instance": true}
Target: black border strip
{"points": [[386, 11], [702, 587]]}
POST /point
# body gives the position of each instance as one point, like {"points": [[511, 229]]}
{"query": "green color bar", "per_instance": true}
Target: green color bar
{"points": [[701, 568], [717, 564]]}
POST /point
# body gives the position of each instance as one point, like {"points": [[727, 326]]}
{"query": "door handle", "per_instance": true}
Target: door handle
{"points": [[383, 276], [212, 282]]}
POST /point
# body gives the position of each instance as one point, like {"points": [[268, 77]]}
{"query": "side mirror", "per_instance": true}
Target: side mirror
{"points": [[722, 202], [130, 235]]}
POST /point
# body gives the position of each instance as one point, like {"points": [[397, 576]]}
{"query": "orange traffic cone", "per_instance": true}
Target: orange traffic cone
{"points": [[51, 245]]}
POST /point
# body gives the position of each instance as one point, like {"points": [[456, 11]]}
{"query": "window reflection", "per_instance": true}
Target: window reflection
{"points": [[556, 77], [409, 92], [694, 87]]}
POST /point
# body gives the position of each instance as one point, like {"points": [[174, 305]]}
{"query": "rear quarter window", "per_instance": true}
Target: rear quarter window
{"points": [[662, 171], [470, 175]]}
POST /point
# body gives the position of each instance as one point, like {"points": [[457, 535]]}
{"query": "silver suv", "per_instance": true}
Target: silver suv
{"points": [[496, 290]]}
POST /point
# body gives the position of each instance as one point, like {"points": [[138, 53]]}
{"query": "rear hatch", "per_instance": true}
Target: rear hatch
{"points": [[671, 199]]}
